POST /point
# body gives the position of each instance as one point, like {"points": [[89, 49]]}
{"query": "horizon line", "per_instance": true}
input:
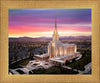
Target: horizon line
{"points": [[48, 37]]}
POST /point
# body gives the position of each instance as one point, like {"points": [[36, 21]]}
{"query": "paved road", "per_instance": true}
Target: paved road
{"points": [[87, 69]]}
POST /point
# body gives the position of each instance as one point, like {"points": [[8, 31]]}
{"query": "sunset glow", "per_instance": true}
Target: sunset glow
{"points": [[41, 22]]}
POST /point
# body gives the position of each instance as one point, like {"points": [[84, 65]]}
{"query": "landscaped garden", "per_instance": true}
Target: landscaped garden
{"points": [[21, 62], [79, 64], [54, 70]]}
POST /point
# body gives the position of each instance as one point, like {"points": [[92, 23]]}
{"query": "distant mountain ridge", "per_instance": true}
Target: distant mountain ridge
{"points": [[50, 38]]}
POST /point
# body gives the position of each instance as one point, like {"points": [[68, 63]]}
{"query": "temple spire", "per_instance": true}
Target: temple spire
{"points": [[55, 34], [55, 31], [55, 23]]}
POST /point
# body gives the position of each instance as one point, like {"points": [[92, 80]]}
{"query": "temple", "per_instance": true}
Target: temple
{"points": [[58, 52]]}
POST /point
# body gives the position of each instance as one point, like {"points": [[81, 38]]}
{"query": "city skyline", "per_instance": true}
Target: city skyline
{"points": [[40, 22]]}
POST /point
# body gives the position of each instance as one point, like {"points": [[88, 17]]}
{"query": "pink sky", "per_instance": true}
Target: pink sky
{"points": [[37, 23]]}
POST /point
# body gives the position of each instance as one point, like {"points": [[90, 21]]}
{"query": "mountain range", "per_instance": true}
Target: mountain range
{"points": [[50, 38]]}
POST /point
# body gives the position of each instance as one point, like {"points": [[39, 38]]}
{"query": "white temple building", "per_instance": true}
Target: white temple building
{"points": [[59, 52]]}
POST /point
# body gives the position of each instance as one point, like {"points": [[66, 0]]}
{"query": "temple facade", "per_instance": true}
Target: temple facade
{"points": [[59, 52], [56, 48]]}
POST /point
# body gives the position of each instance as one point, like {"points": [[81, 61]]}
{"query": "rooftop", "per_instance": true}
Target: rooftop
{"points": [[61, 58], [43, 55], [68, 44]]}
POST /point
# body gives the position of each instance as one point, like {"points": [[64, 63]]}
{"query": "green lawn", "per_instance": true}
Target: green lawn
{"points": [[22, 62], [80, 63], [54, 70], [25, 62]]}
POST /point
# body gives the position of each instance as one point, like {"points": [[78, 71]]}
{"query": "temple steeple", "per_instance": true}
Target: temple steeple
{"points": [[55, 34], [55, 23]]}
